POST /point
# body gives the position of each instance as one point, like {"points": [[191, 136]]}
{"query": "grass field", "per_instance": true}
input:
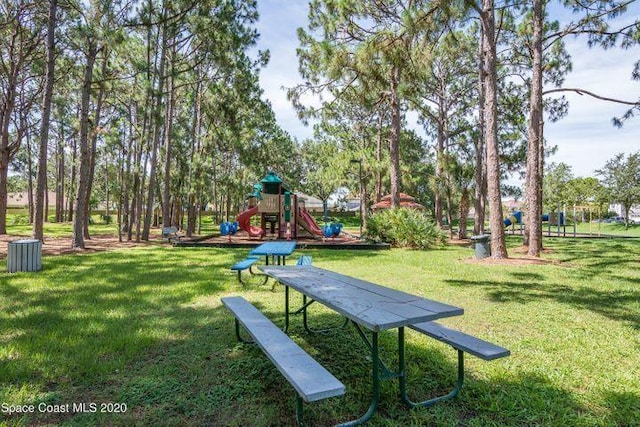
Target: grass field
{"points": [[141, 334]]}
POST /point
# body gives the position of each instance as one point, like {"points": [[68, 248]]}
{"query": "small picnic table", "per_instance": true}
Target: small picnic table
{"points": [[366, 305], [279, 249]]}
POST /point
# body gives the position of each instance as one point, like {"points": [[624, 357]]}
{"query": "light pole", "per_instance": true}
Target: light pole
{"points": [[359, 162]]}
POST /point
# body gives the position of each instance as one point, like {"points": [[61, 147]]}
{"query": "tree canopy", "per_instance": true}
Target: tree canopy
{"points": [[154, 110]]}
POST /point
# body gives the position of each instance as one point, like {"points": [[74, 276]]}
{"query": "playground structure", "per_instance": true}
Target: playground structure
{"points": [[553, 219], [513, 219], [280, 212]]}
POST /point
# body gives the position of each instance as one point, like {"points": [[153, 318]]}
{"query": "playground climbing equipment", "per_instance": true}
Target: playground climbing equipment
{"points": [[280, 212]]}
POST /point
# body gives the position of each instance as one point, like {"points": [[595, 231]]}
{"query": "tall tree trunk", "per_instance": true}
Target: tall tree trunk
{"points": [[463, 213], [94, 143], [107, 212], [498, 245], [60, 175], [193, 182], [449, 212], [394, 139], [30, 178], [122, 178], [85, 155], [7, 148], [535, 138], [440, 160], [46, 201], [214, 183], [125, 182], [73, 177], [168, 157], [378, 190], [138, 185], [157, 127], [481, 165], [140, 200], [46, 117]]}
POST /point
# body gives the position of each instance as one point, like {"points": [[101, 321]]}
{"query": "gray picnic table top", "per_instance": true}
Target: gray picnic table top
{"points": [[373, 306]]}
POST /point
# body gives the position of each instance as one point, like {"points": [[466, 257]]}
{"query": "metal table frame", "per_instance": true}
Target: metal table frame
{"points": [[368, 307]]}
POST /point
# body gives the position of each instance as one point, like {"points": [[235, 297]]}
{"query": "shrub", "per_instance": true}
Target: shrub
{"points": [[407, 228], [19, 219]]}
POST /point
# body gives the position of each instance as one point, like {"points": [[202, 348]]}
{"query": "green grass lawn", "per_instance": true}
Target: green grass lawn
{"points": [[51, 229], [145, 328]]}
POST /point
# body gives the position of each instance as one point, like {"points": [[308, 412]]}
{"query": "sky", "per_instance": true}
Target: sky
{"points": [[585, 138]]}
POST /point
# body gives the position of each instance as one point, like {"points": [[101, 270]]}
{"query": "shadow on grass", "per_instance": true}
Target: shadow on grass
{"points": [[598, 256], [75, 336], [152, 335], [194, 373], [615, 304], [519, 399]]}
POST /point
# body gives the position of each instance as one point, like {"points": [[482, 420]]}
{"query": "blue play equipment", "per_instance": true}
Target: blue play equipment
{"points": [[332, 230], [552, 219], [228, 228], [514, 218], [224, 228]]}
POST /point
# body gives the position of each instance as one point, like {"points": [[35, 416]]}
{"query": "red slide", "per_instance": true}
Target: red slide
{"points": [[308, 223], [244, 221]]}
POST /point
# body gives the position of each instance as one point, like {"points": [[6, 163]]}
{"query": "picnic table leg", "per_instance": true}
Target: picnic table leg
{"points": [[286, 309], [253, 273], [375, 393], [403, 378], [305, 317], [238, 336]]}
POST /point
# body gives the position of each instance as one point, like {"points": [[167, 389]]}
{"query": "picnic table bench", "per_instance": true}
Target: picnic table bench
{"points": [[269, 249], [309, 378], [463, 343], [246, 263]]}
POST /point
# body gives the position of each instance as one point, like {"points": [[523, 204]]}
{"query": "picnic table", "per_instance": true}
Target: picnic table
{"points": [[279, 250], [369, 307]]}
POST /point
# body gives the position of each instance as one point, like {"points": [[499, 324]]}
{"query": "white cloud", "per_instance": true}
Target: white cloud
{"points": [[586, 138], [278, 24]]}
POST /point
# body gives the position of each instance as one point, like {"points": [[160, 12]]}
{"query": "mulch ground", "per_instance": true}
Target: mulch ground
{"points": [[62, 245]]}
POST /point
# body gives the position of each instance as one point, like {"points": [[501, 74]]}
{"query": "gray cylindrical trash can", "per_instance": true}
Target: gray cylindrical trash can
{"points": [[24, 255], [482, 245]]}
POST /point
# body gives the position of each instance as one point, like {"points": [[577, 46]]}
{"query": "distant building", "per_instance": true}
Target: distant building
{"points": [[634, 212], [21, 200], [353, 205], [311, 203]]}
